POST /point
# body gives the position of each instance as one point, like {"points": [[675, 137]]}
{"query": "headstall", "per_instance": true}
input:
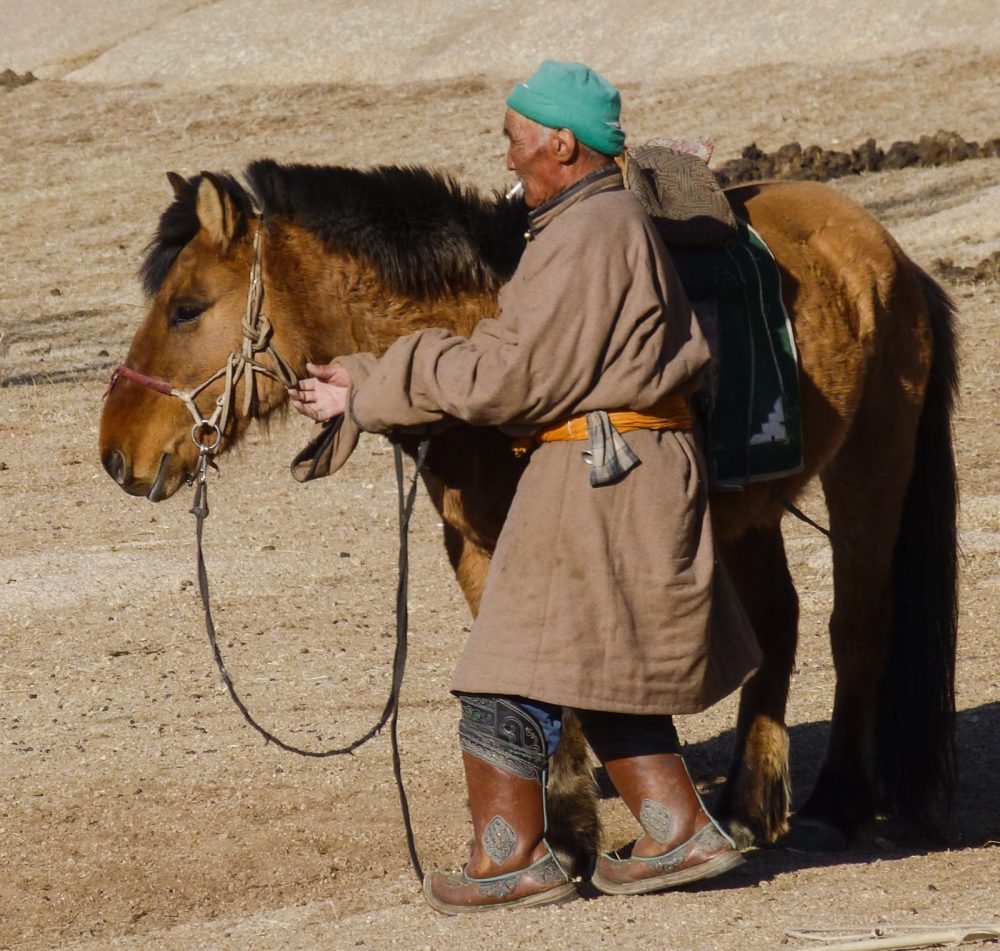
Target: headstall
{"points": [[257, 332]]}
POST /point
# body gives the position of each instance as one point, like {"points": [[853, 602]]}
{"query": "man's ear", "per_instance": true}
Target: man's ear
{"points": [[564, 146]]}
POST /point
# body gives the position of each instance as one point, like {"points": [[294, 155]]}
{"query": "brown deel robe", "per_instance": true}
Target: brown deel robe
{"points": [[605, 598]]}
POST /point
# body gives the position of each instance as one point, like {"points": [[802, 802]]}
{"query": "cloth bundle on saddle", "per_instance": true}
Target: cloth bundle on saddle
{"points": [[750, 402]]}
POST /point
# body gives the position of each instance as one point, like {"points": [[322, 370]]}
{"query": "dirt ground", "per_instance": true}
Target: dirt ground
{"points": [[136, 808]]}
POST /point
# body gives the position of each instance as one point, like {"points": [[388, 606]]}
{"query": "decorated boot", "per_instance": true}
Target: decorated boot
{"points": [[681, 842], [511, 863]]}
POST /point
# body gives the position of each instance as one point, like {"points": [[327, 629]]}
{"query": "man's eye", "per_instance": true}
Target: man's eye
{"points": [[185, 313]]}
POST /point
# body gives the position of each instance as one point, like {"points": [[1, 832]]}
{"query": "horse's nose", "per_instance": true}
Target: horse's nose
{"points": [[116, 465]]}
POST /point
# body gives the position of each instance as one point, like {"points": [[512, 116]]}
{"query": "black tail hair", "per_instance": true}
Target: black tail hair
{"points": [[916, 768]]}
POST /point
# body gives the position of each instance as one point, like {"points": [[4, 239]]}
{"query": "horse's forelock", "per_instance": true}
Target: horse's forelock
{"points": [[179, 224]]}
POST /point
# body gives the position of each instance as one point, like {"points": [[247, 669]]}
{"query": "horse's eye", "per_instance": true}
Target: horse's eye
{"points": [[185, 313]]}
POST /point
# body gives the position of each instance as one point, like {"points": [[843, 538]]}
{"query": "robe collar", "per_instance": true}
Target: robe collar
{"points": [[608, 178]]}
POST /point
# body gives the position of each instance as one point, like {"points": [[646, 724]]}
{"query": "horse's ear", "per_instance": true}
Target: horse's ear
{"points": [[177, 183], [217, 213]]}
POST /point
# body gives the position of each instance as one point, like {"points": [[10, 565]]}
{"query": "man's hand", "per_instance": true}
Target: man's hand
{"points": [[323, 395]]}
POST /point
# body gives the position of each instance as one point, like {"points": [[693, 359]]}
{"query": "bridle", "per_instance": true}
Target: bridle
{"points": [[207, 431], [207, 435]]}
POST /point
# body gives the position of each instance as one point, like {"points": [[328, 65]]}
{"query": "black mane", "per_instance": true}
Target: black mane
{"points": [[425, 235]]}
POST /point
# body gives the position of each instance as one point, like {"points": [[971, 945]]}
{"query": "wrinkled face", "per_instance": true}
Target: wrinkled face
{"points": [[193, 323], [531, 155]]}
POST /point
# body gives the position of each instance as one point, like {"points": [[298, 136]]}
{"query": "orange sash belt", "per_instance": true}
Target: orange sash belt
{"points": [[671, 412]]}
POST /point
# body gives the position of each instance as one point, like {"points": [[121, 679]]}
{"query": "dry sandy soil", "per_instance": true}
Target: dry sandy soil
{"points": [[136, 808]]}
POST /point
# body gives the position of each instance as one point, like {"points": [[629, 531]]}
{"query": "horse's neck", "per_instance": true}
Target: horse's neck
{"points": [[324, 304]]}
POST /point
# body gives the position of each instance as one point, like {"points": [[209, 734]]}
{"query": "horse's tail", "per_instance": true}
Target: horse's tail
{"points": [[915, 761], [574, 830]]}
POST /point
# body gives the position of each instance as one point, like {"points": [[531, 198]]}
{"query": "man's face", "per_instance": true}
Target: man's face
{"points": [[531, 157]]}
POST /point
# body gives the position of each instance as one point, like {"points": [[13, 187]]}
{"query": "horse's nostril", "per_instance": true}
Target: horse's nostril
{"points": [[116, 466]]}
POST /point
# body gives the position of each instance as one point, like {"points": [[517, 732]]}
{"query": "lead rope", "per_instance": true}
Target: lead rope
{"points": [[407, 498]]}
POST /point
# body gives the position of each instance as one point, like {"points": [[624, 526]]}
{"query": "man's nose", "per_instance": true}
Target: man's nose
{"points": [[510, 162]]}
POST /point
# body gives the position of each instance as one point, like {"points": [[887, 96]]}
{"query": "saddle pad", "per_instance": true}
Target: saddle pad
{"points": [[751, 400]]}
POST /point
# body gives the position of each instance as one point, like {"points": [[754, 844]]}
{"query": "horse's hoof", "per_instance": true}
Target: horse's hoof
{"points": [[812, 835]]}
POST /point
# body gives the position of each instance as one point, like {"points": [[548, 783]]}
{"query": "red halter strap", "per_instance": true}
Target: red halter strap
{"points": [[150, 382], [257, 333]]}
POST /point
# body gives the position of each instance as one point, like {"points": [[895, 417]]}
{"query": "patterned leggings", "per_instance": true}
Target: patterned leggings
{"points": [[610, 735]]}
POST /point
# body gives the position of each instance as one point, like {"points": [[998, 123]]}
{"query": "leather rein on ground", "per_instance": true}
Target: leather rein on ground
{"points": [[207, 433]]}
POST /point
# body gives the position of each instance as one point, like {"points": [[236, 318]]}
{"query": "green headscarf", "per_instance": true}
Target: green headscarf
{"points": [[573, 96]]}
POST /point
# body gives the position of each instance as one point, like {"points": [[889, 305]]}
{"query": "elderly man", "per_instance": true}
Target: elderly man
{"points": [[604, 595]]}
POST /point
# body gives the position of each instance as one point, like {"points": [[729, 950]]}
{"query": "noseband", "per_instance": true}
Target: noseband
{"points": [[257, 332]]}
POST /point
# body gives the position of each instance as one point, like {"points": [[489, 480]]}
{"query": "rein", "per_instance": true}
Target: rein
{"points": [[207, 433], [390, 713]]}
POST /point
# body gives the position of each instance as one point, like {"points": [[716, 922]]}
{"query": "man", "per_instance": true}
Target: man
{"points": [[603, 595]]}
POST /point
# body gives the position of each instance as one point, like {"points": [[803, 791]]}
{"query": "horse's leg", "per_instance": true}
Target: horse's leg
{"points": [[574, 827], [865, 488], [470, 563], [756, 798], [891, 495], [864, 515]]}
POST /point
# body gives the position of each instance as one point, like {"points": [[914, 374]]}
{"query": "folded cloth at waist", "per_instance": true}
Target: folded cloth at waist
{"points": [[670, 412]]}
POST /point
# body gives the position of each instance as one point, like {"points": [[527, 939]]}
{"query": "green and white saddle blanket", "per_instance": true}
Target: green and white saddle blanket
{"points": [[750, 402]]}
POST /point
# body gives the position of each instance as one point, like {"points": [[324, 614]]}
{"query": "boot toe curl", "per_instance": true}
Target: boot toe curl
{"points": [[706, 854], [541, 883]]}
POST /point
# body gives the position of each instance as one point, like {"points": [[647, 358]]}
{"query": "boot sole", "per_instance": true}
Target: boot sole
{"points": [[714, 866], [553, 896]]}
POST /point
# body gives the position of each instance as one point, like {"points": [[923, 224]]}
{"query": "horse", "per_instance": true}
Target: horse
{"points": [[348, 260]]}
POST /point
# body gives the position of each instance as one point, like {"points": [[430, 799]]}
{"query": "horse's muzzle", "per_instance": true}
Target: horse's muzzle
{"points": [[117, 466]]}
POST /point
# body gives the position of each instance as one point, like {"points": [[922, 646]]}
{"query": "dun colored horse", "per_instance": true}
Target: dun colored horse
{"points": [[350, 260]]}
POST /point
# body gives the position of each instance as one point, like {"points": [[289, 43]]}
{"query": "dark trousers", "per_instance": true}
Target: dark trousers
{"points": [[610, 735]]}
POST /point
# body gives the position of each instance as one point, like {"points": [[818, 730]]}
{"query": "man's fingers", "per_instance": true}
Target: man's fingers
{"points": [[305, 409], [318, 399], [329, 373], [322, 371]]}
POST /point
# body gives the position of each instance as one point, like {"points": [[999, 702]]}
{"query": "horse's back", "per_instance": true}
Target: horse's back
{"points": [[831, 251], [800, 211], [858, 314], [856, 300]]}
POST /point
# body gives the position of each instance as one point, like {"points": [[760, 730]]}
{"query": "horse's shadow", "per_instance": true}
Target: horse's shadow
{"points": [[976, 814]]}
